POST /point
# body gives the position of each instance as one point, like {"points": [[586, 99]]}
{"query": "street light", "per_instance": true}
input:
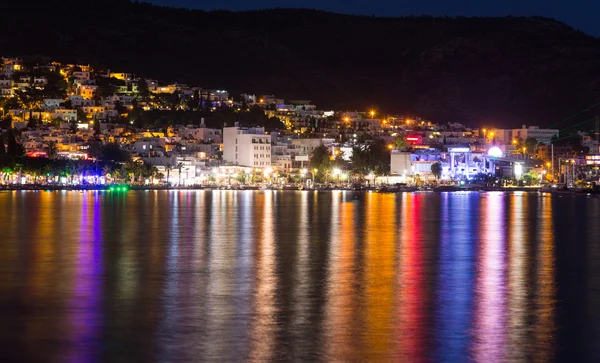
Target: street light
{"points": [[372, 113]]}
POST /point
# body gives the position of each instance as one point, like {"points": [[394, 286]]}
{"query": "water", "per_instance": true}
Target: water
{"points": [[305, 276]]}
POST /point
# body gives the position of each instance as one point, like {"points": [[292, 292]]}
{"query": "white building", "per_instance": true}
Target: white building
{"points": [[203, 134], [541, 135], [79, 101], [149, 144], [51, 103], [309, 145], [64, 114], [82, 76], [400, 163], [247, 146]]}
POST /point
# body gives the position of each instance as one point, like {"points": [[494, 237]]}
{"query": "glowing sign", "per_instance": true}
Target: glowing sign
{"points": [[414, 139], [495, 152]]}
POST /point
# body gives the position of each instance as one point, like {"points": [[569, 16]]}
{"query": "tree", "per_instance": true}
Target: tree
{"points": [[2, 147], [436, 170], [32, 123], [530, 144], [51, 149], [179, 167], [360, 159], [380, 157], [142, 88], [153, 172], [400, 143], [168, 168], [107, 86], [113, 152], [73, 127], [321, 160], [13, 147], [81, 115]]}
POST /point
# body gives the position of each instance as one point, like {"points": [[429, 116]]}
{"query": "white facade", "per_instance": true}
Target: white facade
{"points": [[203, 134], [51, 103], [79, 101], [541, 135], [247, 147], [307, 145], [82, 76], [65, 114], [6, 83], [400, 163], [149, 144]]}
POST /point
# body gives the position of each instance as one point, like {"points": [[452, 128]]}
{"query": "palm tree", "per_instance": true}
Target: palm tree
{"points": [[168, 168], [179, 167], [153, 172], [51, 149]]}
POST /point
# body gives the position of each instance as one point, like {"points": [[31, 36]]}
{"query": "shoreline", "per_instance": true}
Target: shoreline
{"points": [[113, 188]]}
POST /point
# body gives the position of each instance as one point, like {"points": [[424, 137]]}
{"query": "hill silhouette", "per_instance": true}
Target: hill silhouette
{"points": [[495, 71]]}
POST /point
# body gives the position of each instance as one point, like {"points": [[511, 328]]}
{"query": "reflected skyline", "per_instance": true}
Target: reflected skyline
{"points": [[262, 276]]}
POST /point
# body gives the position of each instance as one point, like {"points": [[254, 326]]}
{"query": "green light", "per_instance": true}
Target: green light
{"points": [[119, 188], [112, 189]]}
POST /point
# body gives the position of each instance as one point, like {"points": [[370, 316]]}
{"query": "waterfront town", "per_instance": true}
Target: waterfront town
{"points": [[74, 125]]}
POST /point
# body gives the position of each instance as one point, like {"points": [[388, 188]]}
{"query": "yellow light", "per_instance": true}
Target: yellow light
{"points": [[347, 119], [515, 141], [372, 113], [491, 134], [548, 164], [261, 100], [390, 146]]}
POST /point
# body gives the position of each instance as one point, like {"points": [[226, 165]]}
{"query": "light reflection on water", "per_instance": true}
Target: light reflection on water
{"points": [[267, 276]]}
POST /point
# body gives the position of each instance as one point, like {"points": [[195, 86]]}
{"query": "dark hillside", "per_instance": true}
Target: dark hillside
{"points": [[502, 71]]}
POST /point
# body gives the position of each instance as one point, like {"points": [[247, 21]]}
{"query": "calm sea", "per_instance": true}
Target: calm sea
{"points": [[227, 276]]}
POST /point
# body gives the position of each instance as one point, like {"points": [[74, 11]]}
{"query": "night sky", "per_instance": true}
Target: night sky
{"points": [[580, 14]]}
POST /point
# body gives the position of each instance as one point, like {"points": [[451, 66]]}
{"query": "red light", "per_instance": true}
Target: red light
{"points": [[36, 154], [414, 139]]}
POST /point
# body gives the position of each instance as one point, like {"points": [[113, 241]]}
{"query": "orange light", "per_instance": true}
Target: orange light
{"points": [[390, 146]]}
